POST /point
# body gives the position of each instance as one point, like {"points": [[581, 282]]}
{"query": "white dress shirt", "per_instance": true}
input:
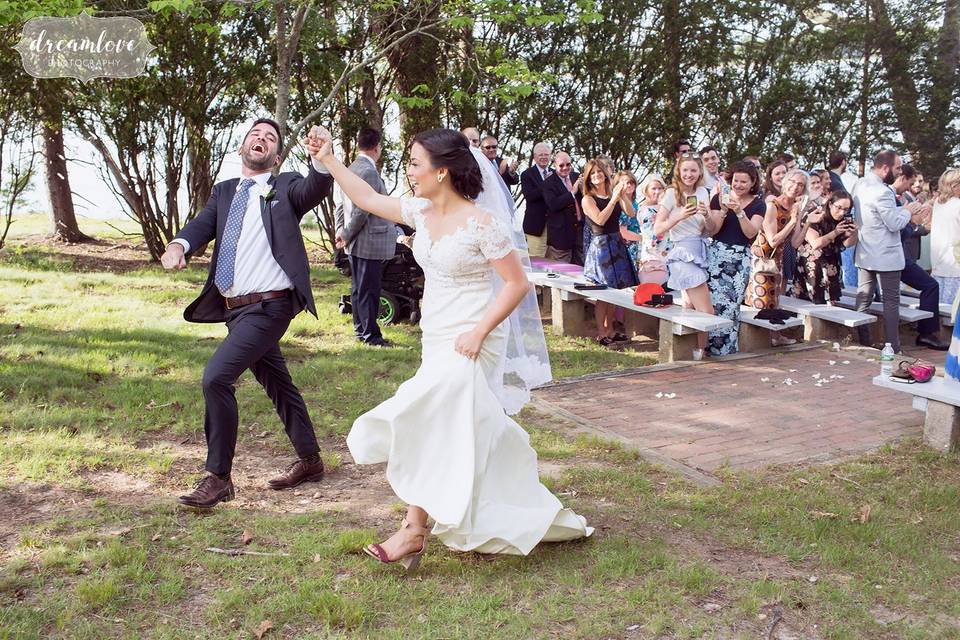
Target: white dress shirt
{"points": [[255, 269]]}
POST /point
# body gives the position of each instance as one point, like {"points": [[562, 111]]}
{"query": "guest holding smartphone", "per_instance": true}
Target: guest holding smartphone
{"points": [[819, 276], [682, 214], [606, 260], [736, 216]]}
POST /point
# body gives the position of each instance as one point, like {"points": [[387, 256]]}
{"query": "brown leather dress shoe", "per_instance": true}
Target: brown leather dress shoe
{"points": [[297, 473], [208, 493]]}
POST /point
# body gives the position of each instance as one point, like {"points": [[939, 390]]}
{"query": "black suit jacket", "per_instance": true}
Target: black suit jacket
{"points": [[836, 184], [561, 212], [535, 218], [293, 196]]}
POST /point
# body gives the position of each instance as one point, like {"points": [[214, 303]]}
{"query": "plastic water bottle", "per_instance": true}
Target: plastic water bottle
{"points": [[886, 361]]}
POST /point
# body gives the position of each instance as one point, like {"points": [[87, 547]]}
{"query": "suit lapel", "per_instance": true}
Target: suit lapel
{"points": [[266, 210]]}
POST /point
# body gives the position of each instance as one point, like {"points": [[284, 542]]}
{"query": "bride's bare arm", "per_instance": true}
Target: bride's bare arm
{"points": [[361, 194], [515, 287]]}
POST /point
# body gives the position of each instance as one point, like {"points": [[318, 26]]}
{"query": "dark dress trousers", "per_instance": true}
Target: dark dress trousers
{"points": [[561, 212], [254, 330], [535, 217]]}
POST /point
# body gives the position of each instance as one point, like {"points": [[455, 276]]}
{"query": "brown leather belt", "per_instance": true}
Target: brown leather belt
{"points": [[250, 298]]}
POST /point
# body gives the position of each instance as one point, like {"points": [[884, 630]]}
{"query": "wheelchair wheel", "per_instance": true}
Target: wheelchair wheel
{"points": [[389, 308]]}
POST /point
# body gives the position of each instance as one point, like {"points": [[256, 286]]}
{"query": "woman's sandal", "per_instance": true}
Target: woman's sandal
{"points": [[410, 561]]}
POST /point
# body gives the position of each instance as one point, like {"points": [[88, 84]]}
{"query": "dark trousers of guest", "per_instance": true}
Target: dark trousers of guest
{"points": [[252, 342], [914, 276], [789, 263], [866, 288], [365, 279]]}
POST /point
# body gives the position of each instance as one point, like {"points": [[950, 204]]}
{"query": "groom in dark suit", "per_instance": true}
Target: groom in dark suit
{"points": [[259, 280]]}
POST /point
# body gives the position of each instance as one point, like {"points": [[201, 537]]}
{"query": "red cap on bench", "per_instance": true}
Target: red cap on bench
{"points": [[644, 293]]}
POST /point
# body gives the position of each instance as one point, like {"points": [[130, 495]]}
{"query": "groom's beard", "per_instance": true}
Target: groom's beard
{"points": [[263, 163]]}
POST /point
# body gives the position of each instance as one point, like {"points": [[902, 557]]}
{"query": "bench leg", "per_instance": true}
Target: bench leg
{"points": [[640, 324], [753, 338], [817, 329], [941, 428], [545, 304], [674, 347], [567, 316]]}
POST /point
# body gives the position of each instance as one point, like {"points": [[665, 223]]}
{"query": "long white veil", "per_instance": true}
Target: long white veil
{"points": [[525, 364]]}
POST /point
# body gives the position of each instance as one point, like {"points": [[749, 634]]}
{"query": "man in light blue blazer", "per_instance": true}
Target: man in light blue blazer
{"points": [[879, 253]]}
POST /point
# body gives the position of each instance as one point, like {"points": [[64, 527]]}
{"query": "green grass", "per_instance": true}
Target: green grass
{"points": [[100, 374]]}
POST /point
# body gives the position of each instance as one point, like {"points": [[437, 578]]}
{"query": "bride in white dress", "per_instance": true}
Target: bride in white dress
{"points": [[452, 452]]}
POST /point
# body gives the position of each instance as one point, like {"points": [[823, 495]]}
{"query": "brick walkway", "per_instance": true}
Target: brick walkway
{"points": [[741, 412]]}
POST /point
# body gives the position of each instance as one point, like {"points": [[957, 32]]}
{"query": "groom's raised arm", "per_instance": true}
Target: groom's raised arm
{"points": [[307, 193]]}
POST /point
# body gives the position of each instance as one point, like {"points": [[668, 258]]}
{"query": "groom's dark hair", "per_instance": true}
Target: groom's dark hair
{"points": [[367, 139], [449, 149], [272, 123]]}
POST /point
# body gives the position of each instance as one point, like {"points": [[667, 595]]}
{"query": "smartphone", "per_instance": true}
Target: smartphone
{"points": [[691, 201], [725, 189]]}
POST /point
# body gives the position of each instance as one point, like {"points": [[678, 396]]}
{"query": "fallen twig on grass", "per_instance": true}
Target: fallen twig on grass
{"points": [[846, 479], [244, 552], [777, 614]]}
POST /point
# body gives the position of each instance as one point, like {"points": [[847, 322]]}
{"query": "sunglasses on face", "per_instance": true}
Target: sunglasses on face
{"points": [[562, 165], [490, 146]]}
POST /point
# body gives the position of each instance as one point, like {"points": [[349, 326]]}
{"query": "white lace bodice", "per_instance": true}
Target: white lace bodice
{"points": [[458, 258]]}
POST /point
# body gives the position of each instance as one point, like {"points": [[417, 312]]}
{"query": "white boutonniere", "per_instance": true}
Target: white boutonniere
{"points": [[267, 192]]}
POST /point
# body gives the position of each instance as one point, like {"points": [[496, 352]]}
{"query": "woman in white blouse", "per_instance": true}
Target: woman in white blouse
{"points": [[945, 234]]}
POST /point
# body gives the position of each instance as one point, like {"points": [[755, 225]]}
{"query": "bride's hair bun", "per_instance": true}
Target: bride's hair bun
{"points": [[449, 150]]}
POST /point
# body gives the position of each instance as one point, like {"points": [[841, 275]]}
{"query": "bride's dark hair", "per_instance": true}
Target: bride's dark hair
{"points": [[449, 149]]}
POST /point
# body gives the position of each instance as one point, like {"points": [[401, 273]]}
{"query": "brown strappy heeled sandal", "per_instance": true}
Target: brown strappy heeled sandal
{"points": [[410, 561]]}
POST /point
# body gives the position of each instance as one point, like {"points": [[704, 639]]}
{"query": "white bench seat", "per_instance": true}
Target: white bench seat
{"points": [[676, 328], [939, 399], [910, 298], [907, 314]]}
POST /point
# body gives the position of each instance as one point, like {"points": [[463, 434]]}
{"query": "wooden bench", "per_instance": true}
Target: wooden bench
{"points": [[939, 399], [825, 322], [676, 328]]}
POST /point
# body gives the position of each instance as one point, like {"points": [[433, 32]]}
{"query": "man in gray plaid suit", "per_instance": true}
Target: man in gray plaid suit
{"points": [[368, 240]]}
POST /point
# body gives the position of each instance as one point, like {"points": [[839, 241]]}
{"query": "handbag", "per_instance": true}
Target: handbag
{"points": [[918, 370], [759, 261]]}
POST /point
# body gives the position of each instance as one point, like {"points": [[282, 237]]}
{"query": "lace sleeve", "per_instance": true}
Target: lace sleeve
{"points": [[495, 240], [411, 209]]}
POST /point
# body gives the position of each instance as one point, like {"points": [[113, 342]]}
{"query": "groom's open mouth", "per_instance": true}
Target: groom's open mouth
{"points": [[259, 148]]}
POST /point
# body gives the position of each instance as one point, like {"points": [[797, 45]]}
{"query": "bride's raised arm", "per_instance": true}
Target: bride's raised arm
{"points": [[361, 194]]}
